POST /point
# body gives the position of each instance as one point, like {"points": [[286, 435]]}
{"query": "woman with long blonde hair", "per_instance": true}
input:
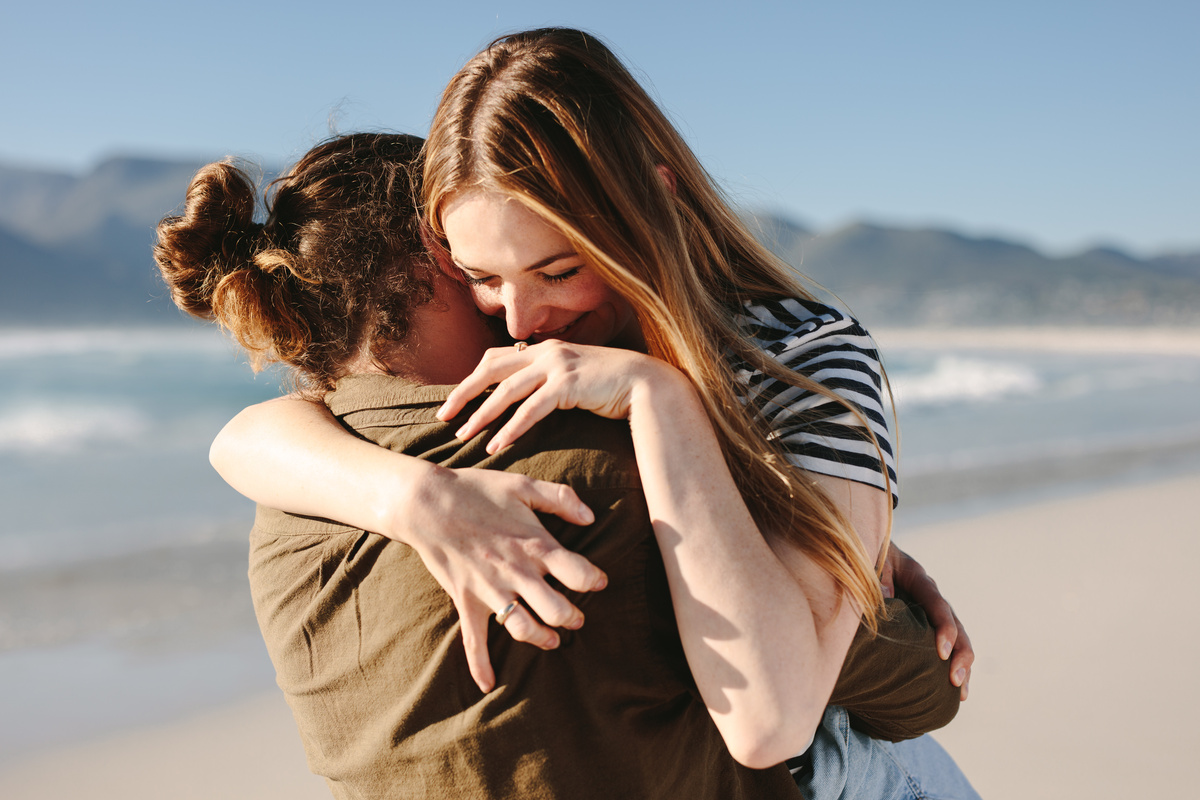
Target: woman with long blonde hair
{"points": [[560, 193]]}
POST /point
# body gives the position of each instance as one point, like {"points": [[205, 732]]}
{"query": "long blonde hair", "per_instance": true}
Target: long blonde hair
{"points": [[553, 119]]}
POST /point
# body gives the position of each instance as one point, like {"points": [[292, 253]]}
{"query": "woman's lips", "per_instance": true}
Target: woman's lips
{"points": [[560, 333]]}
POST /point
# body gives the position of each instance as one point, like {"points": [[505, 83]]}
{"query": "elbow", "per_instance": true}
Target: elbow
{"points": [[219, 455], [233, 444], [764, 744], [763, 757]]}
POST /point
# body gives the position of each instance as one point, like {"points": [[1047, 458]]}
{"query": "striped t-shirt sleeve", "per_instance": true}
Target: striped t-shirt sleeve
{"points": [[815, 432]]}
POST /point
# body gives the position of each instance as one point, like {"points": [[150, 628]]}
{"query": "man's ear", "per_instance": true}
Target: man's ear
{"points": [[668, 177]]}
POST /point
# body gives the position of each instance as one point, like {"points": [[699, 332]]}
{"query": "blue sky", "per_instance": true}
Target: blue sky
{"points": [[1065, 124]]}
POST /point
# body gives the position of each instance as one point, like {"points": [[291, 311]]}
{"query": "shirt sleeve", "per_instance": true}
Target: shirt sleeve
{"points": [[815, 432]]}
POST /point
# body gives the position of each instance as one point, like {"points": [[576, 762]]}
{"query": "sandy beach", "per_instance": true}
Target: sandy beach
{"points": [[1084, 685], [1080, 611]]}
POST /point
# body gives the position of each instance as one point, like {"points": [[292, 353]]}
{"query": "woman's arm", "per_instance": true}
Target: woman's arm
{"points": [[292, 454], [475, 529], [763, 628]]}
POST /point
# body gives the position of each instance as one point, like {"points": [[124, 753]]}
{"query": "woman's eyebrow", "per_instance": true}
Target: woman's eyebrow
{"points": [[545, 262], [548, 260]]}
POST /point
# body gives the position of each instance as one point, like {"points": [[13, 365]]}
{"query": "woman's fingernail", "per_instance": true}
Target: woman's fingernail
{"points": [[960, 675], [575, 624], [586, 514], [603, 582], [944, 650], [461, 431], [550, 643]]}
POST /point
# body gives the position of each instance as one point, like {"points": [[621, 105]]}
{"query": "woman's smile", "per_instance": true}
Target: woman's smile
{"points": [[522, 269]]}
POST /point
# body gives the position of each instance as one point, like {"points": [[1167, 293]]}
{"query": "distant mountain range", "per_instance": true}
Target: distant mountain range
{"points": [[77, 250], [937, 277]]}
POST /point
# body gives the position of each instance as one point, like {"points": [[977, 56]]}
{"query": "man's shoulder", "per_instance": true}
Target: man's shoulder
{"points": [[365, 392], [569, 446]]}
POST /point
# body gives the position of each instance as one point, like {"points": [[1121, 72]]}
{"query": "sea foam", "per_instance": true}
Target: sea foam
{"points": [[66, 427], [25, 343], [955, 379]]}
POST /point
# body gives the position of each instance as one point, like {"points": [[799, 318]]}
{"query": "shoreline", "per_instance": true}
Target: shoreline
{"points": [[1074, 604], [1047, 338]]}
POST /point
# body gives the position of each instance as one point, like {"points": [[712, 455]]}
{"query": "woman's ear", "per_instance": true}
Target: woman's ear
{"points": [[668, 177]]}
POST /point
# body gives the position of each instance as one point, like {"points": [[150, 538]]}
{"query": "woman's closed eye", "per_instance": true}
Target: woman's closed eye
{"points": [[561, 276], [485, 280]]}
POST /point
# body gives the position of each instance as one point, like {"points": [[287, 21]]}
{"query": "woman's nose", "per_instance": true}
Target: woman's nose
{"points": [[524, 313]]}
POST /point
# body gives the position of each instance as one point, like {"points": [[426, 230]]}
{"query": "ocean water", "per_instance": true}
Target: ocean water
{"points": [[104, 437], [994, 424], [122, 554], [104, 433]]}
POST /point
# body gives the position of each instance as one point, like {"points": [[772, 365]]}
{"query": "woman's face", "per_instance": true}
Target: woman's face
{"points": [[523, 270]]}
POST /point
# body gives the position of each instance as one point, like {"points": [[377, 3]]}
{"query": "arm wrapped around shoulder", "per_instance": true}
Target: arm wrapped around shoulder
{"points": [[893, 684]]}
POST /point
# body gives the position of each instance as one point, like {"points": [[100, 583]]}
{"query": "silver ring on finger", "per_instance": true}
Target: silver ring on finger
{"points": [[521, 346], [503, 614]]}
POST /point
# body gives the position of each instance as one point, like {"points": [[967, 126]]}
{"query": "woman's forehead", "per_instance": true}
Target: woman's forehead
{"points": [[488, 231]]}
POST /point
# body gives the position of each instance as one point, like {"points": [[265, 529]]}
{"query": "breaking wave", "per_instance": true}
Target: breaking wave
{"points": [[954, 379], [25, 343], [66, 428]]}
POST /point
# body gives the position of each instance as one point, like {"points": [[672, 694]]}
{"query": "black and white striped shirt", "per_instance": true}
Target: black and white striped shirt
{"points": [[815, 432]]}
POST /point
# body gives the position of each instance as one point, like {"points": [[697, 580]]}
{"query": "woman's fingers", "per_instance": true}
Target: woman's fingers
{"points": [[519, 623], [474, 624], [510, 390], [574, 571], [557, 499], [524, 627], [482, 541], [536, 408], [497, 364]]}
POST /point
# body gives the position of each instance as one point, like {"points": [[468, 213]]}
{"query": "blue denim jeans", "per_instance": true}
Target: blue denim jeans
{"points": [[844, 763]]}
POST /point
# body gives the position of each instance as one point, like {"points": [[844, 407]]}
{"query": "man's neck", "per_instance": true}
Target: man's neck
{"points": [[447, 338]]}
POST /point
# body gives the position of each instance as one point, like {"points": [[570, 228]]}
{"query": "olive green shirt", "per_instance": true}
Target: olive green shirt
{"points": [[367, 648]]}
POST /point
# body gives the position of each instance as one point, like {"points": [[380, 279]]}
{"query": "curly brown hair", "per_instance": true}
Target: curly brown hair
{"points": [[332, 274]]}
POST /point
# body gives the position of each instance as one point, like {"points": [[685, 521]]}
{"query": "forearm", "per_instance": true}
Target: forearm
{"points": [[764, 639], [293, 455]]}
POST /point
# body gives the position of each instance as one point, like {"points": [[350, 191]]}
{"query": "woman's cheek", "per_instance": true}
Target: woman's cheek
{"points": [[487, 300]]}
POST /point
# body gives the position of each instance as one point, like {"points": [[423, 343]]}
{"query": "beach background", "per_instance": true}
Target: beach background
{"points": [[1049, 484], [1046, 375]]}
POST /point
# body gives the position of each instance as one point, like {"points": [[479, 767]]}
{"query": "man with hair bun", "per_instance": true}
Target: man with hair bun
{"points": [[366, 644]]}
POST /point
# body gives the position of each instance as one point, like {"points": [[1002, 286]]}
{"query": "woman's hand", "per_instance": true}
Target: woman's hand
{"points": [[476, 532], [475, 529], [902, 571], [548, 376]]}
